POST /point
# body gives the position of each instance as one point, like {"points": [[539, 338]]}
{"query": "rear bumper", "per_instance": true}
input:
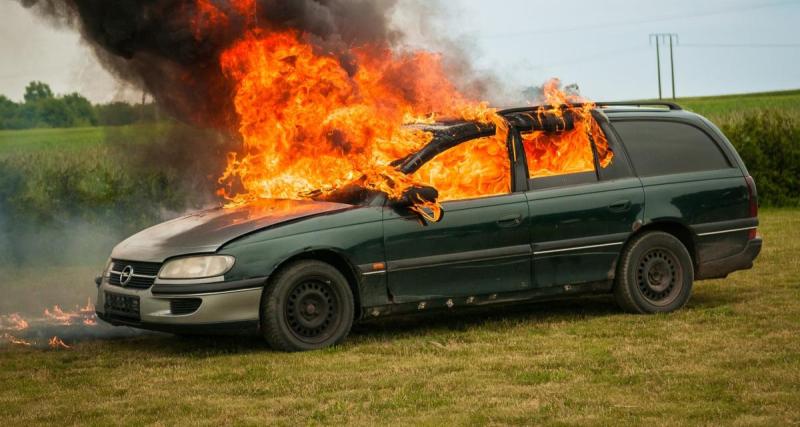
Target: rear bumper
{"points": [[721, 268], [231, 308]]}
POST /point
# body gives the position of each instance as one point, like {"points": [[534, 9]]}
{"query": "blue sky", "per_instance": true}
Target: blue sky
{"points": [[726, 46]]}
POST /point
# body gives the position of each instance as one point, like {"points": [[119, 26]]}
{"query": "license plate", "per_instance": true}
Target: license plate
{"points": [[122, 305]]}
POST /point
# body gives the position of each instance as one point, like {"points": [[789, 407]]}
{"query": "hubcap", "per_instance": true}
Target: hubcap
{"points": [[312, 310], [659, 276]]}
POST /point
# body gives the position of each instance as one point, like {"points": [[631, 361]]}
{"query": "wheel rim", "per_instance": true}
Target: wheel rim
{"points": [[312, 310], [659, 276]]}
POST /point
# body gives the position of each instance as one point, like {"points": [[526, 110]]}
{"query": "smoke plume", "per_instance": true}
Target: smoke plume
{"points": [[171, 47]]}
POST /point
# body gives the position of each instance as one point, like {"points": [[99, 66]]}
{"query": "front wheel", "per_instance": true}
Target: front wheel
{"points": [[655, 274], [307, 306]]}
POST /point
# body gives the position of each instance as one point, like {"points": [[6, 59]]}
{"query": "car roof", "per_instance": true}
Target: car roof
{"points": [[450, 133], [617, 110]]}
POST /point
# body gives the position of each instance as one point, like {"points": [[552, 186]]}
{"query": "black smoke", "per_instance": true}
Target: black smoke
{"points": [[170, 48]]}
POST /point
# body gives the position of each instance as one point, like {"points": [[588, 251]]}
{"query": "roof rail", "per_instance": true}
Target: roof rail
{"points": [[671, 105]]}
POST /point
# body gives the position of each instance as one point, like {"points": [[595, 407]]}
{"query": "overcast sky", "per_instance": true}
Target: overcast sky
{"points": [[726, 46]]}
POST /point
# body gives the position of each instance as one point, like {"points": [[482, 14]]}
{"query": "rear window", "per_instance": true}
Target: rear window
{"points": [[665, 148]]}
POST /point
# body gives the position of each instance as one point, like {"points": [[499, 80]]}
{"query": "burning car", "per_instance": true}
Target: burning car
{"points": [[635, 200]]}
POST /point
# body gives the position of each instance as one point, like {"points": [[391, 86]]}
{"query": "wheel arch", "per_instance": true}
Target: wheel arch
{"points": [[675, 228], [334, 258]]}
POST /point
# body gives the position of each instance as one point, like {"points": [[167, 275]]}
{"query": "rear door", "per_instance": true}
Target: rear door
{"points": [[580, 220], [480, 247], [690, 179]]}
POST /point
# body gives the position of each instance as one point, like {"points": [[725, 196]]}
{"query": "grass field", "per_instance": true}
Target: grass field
{"points": [[15, 142], [731, 357], [723, 108]]}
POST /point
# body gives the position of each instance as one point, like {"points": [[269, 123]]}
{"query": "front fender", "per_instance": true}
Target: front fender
{"points": [[355, 235]]}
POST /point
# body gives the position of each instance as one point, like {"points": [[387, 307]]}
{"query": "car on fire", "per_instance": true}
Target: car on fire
{"points": [[676, 205]]}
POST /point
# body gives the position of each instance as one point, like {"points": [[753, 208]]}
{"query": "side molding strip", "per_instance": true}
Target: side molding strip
{"points": [[578, 248], [370, 273], [727, 231]]}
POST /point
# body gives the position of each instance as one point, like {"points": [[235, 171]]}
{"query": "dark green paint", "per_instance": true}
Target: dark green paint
{"points": [[506, 248], [482, 226]]}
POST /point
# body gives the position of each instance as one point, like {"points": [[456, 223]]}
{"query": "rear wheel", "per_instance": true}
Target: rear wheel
{"points": [[655, 274], [308, 305]]}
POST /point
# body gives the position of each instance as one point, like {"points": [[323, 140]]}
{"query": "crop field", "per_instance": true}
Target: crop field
{"points": [[72, 140], [725, 108], [732, 356]]}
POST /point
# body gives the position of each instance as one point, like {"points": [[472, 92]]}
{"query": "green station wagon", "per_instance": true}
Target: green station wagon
{"points": [[676, 205]]}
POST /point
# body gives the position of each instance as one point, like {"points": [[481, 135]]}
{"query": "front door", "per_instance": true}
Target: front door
{"points": [[480, 247]]}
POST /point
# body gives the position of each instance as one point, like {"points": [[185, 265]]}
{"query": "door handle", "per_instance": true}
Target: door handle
{"points": [[620, 206], [510, 220]]}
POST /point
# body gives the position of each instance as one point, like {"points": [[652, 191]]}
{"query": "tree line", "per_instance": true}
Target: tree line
{"points": [[43, 109]]}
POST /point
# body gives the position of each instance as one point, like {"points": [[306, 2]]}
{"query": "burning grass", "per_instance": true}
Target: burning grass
{"points": [[730, 357], [18, 330]]}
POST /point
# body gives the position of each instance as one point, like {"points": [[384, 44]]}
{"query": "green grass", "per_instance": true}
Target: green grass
{"points": [[727, 107], [731, 357], [20, 142]]}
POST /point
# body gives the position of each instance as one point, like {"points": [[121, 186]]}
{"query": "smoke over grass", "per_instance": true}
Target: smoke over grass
{"points": [[63, 210]]}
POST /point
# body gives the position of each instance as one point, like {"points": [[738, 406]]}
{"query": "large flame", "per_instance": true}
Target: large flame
{"points": [[570, 151], [307, 125], [311, 124]]}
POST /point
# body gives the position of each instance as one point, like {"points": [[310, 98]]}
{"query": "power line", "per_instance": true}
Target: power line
{"points": [[644, 21], [743, 45]]}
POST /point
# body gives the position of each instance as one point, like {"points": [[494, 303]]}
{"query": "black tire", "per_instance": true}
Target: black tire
{"points": [[655, 274], [308, 305]]}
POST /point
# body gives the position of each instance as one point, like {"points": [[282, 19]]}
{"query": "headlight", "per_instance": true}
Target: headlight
{"points": [[196, 267]]}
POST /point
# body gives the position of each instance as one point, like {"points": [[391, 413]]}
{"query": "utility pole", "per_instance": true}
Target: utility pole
{"points": [[671, 39]]}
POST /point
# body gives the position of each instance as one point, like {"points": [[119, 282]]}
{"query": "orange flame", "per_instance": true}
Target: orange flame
{"points": [[85, 315], [56, 343], [13, 322], [309, 126], [58, 315], [17, 341], [570, 151]]}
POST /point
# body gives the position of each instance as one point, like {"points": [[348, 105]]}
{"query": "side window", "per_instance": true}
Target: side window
{"points": [[473, 169], [619, 167], [664, 148], [560, 159]]}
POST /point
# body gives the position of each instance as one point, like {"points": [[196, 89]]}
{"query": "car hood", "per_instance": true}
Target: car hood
{"points": [[206, 231]]}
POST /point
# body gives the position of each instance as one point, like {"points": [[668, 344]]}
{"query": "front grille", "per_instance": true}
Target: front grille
{"points": [[144, 273], [184, 305]]}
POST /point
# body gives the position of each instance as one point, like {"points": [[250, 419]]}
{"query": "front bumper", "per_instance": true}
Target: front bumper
{"points": [[226, 307]]}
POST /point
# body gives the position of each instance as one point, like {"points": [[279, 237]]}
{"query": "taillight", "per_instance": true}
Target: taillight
{"points": [[753, 210]]}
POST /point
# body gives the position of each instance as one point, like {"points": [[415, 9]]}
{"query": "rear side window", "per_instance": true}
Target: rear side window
{"points": [[666, 148]]}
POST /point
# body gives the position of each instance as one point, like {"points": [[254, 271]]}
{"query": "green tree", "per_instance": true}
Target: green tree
{"points": [[36, 91], [81, 110], [9, 110], [53, 112]]}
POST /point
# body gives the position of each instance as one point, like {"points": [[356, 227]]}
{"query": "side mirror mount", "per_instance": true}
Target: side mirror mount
{"points": [[421, 200]]}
